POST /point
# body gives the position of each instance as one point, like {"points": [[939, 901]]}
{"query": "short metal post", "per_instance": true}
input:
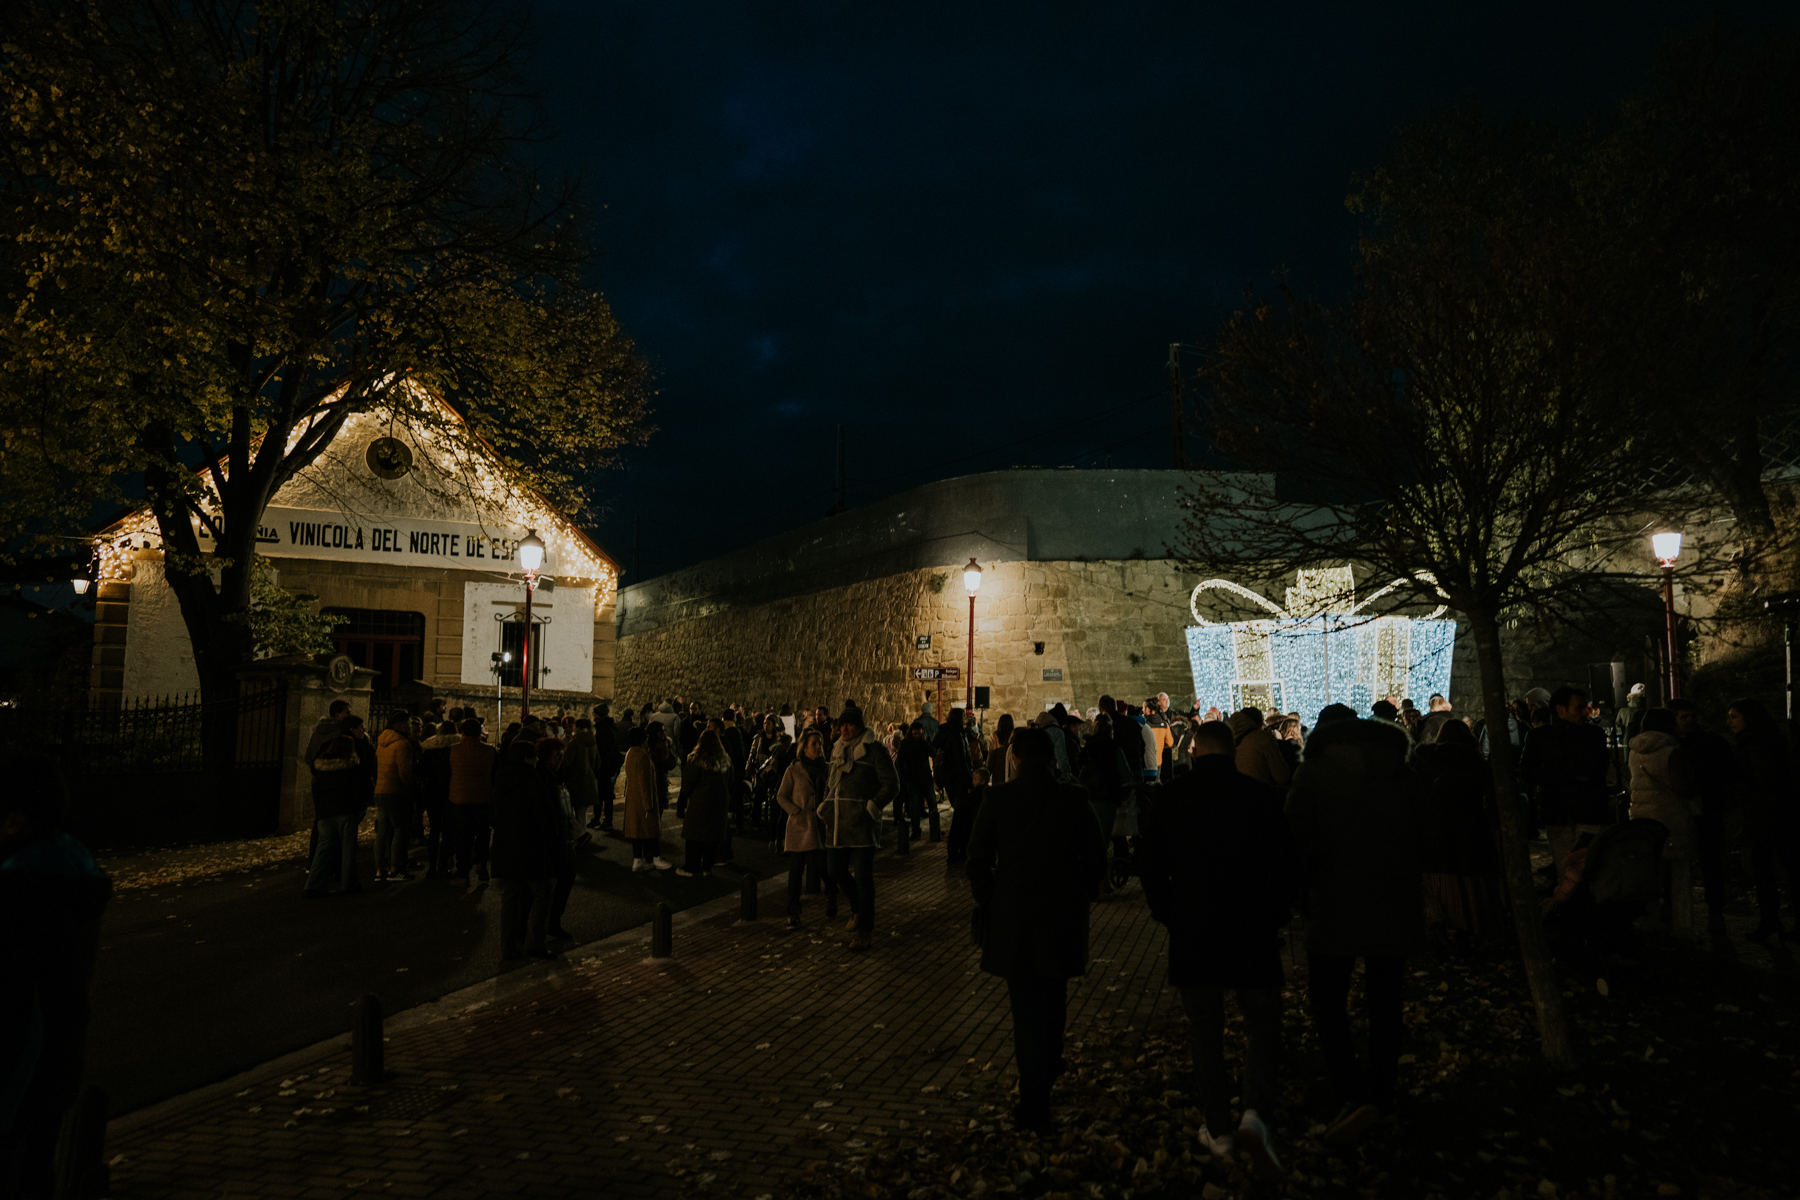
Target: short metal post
{"points": [[366, 1047], [81, 1171], [662, 933], [747, 896]]}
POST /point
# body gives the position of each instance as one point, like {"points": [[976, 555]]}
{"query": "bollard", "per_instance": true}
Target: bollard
{"points": [[662, 933], [747, 896], [81, 1172], [366, 1054]]}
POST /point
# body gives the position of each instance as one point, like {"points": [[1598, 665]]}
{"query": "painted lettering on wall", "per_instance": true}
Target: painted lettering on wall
{"points": [[300, 533]]}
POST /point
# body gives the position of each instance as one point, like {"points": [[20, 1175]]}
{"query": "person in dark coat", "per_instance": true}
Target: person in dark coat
{"points": [[1104, 771], [1217, 871], [704, 803], [525, 831], [955, 774], [552, 770], [434, 794], [1714, 774], [918, 788], [1458, 840], [1355, 811], [1771, 811], [609, 736], [52, 896], [1036, 861], [338, 805], [1564, 767]]}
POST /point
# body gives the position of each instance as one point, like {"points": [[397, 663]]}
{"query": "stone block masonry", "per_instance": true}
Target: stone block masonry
{"points": [[1109, 627]]}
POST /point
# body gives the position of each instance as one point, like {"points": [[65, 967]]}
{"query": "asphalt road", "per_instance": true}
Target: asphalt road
{"points": [[199, 982]]}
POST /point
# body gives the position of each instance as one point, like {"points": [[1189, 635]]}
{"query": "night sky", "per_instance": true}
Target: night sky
{"points": [[968, 233]]}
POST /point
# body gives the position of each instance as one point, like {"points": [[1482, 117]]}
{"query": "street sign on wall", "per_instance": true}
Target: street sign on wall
{"points": [[922, 642], [933, 674], [1053, 675]]}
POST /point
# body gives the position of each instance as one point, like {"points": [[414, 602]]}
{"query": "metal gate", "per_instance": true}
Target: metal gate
{"points": [[165, 770]]}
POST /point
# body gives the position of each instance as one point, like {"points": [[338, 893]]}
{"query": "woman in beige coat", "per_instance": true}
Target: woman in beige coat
{"points": [[801, 790], [641, 826]]}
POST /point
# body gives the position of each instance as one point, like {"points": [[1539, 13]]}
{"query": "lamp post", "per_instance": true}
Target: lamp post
{"points": [[531, 560], [1667, 547], [971, 581]]}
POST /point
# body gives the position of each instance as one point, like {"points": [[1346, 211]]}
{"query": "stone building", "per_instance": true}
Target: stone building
{"points": [[422, 573], [1082, 595], [1079, 596]]}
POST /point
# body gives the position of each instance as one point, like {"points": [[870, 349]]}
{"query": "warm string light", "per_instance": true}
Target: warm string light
{"points": [[575, 562]]}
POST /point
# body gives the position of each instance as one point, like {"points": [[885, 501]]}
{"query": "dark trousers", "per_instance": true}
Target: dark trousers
{"points": [[962, 821], [1772, 852], [438, 838], [469, 827], [393, 831], [1040, 1009], [853, 867], [334, 852], [1328, 993], [645, 847], [524, 915], [562, 869], [798, 862], [701, 854], [604, 809], [1261, 1008]]}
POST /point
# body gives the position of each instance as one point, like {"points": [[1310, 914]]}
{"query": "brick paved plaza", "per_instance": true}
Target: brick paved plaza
{"points": [[753, 1052]]}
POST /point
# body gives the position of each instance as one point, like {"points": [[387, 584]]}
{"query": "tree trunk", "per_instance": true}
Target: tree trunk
{"points": [[1515, 857], [220, 638]]}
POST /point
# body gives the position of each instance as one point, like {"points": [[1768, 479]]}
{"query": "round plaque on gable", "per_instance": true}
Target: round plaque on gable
{"points": [[340, 673], [390, 458]]}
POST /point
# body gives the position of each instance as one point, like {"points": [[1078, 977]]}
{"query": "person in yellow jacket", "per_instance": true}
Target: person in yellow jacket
{"points": [[396, 756]]}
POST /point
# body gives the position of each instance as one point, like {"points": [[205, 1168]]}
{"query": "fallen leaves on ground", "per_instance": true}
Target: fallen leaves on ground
{"points": [[147, 869], [1708, 1114]]}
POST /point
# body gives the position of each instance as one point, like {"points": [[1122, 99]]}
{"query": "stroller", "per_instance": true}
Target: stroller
{"points": [[1590, 916]]}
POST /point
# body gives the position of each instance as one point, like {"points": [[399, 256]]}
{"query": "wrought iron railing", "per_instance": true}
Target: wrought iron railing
{"points": [[170, 733]]}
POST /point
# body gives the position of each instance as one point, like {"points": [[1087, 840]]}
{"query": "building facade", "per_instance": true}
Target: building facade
{"points": [[422, 575]]}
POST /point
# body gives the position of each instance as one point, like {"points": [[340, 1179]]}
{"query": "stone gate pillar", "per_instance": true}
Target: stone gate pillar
{"points": [[311, 687]]}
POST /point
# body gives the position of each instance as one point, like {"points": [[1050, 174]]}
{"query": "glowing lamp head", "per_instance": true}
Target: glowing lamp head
{"points": [[80, 585], [1667, 546], [972, 577], [531, 554]]}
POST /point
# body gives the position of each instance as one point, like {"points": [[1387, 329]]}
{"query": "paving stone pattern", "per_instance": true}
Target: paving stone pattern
{"points": [[753, 1052]]}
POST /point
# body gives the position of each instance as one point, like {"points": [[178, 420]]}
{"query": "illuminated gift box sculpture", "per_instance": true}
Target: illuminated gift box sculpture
{"points": [[1323, 648]]}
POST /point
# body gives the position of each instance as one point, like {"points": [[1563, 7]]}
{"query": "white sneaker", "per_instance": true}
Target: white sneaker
{"points": [[1220, 1146], [640, 864], [661, 865], [1258, 1146], [684, 872]]}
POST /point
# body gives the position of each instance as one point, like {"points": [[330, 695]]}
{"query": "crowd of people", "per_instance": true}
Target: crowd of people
{"points": [[1382, 830]]}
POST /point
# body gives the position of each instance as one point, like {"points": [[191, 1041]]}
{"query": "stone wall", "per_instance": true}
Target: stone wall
{"points": [[857, 641]]}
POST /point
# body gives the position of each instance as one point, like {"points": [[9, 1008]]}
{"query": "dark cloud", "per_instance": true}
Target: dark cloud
{"points": [[969, 232]]}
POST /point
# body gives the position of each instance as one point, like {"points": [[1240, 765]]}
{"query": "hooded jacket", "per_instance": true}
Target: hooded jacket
{"points": [[859, 782], [394, 755], [1356, 812], [1259, 753], [1660, 787]]}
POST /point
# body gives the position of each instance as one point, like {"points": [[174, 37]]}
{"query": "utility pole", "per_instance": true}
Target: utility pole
{"points": [[1177, 434], [840, 470]]}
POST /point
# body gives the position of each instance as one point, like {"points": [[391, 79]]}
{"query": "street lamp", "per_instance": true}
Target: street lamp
{"points": [[971, 581], [80, 584], [1667, 547], [531, 560]]}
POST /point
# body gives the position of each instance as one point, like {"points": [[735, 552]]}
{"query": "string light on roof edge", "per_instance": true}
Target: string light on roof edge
{"points": [[1322, 648]]}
